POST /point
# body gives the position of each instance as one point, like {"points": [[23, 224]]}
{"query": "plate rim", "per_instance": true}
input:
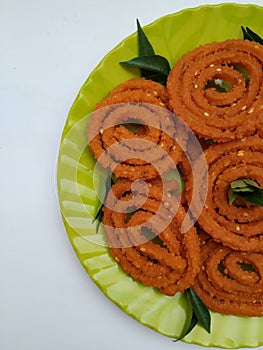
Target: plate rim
{"points": [[67, 127]]}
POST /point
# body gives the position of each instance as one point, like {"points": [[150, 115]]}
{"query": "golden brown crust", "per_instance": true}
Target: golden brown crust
{"points": [[240, 225], [230, 281], [149, 151], [144, 221], [169, 264], [219, 116], [136, 90]]}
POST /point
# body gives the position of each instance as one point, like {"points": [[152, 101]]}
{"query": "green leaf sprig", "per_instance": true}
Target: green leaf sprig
{"points": [[151, 65], [249, 34], [200, 313], [155, 67], [99, 215], [247, 189]]}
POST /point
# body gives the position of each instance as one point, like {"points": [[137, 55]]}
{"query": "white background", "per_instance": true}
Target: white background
{"points": [[47, 50]]}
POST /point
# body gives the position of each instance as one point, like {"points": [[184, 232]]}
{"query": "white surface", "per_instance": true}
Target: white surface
{"points": [[48, 48]]}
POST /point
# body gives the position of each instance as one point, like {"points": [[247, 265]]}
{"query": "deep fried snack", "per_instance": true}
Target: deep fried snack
{"points": [[143, 233], [240, 225], [146, 152], [137, 90], [260, 127], [219, 116], [230, 281]]}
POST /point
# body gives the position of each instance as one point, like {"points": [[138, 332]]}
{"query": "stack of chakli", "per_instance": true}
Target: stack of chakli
{"points": [[134, 134], [230, 280], [217, 91]]}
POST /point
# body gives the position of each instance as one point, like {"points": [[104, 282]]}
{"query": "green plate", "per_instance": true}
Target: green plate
{"points": [[79, 181]]}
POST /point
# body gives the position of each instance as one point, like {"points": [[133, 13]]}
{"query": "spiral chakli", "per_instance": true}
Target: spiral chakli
{"points": [[240, 225], [260, 127], [194, 82], [154, 147], [136, 90], [142, 222], [230, 281]]}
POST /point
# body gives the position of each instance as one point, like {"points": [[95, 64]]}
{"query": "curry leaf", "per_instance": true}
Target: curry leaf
{"points": [[239, 183], [158, 77], [246, 36], [99, 215], [154, 63], [145, 47], [99, 218], [252, 183], [247, 189], [255, 197], [244, 189], [190, 327], [249, 34], [200, 310], [153, 67], [232, 196], [244, 183], [193, 323]]}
